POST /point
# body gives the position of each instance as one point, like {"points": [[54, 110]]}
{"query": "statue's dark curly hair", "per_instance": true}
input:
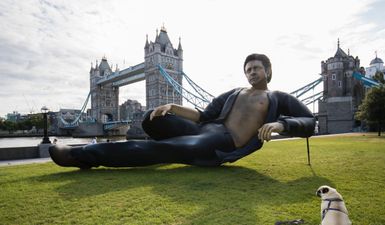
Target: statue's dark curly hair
{"points": [[265, 61]]}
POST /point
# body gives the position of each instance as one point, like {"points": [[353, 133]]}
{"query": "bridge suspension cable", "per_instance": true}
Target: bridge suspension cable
{"points": [[366, 81], [203, 93], [313, 98], [200, 101], [303, 90]]}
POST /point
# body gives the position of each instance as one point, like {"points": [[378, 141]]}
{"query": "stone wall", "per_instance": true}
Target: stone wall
{"points": [[339, 126], [19, 153], [336, 115], [89, 130]]}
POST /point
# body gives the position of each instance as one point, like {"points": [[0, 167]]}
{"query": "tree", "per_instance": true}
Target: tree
{"points": [[2, 121], [33, 120], [372, 109], [379, 76], [37, 121], [10, 126]]}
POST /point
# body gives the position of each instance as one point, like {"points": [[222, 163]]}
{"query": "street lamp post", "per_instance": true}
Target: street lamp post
{"points": [[45, 140]]}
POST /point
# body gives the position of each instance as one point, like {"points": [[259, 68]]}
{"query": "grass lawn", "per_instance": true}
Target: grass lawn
{"points": [[272, 184]]}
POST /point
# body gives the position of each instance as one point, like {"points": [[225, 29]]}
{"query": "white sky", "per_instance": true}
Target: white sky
{"points": [[46, 47]]}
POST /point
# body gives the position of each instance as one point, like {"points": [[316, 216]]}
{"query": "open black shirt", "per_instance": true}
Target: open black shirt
{"points": [[297, 119]]}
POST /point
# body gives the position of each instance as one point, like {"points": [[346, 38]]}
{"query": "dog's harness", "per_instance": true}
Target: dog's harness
{"points": [[330, 200]]}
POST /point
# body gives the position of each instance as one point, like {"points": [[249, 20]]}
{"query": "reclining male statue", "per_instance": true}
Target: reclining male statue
{"points": [[232, 126]]}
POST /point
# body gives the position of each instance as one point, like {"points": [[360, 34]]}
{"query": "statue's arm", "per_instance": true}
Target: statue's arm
{"points": [[179, 110], [296, 118], [211, 112]]}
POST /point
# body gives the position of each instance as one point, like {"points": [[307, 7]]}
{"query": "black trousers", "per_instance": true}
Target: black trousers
{"points": [[174, 140]]}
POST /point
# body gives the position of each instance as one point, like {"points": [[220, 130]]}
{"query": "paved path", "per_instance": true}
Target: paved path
{"points": [[23, 161]]}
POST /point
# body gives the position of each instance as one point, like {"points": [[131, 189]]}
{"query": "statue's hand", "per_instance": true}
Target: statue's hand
{"points": [[264, 133], [161, 110]]}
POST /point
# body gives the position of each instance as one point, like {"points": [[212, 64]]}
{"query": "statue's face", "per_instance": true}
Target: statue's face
{"points": [[255, 73]]}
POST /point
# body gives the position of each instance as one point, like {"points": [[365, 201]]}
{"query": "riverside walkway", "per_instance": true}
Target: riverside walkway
{"points": [[23, 161]]}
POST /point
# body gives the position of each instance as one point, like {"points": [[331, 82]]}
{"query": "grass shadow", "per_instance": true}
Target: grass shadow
{"points": [[213, 190]]}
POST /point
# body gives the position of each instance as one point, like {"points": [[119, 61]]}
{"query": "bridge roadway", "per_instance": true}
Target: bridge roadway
{"points": [[129, 75]]}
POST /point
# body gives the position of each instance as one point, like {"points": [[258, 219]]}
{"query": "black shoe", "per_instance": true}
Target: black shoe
{"points": [[62, 157]]}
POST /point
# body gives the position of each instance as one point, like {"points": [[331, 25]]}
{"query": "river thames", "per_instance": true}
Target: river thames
{"points": [[33, 141]]}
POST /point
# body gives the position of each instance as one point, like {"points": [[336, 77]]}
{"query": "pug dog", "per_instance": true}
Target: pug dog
{"points": [[333, 209]]}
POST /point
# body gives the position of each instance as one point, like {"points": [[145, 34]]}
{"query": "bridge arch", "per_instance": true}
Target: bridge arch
{"points": [[107, 117]]}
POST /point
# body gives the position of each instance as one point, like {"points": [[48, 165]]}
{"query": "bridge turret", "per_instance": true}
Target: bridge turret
{"points": [[337, 74], [104, 97], [96, 69], [342, 92], [156, 44], [92, 68], [162, 52], [104, 67], [180, 50], [146, 45]]}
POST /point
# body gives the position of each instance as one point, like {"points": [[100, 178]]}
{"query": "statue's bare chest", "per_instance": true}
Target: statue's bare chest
{"points": [[247, 103]]}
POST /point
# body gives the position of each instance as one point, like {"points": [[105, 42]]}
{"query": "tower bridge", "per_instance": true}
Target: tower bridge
{"points": [[105, 83]]}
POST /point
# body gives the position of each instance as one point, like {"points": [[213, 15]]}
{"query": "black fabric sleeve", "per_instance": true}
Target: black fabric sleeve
{"points": [[295, 116], [213, 110]]}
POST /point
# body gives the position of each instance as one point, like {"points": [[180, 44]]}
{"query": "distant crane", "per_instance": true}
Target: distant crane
{"points": [[31, 108]]}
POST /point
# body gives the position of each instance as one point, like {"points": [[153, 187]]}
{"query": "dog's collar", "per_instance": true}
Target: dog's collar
{"points": [[330, 200], [333, 199]]}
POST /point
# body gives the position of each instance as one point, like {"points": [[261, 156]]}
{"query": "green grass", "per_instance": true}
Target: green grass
{"points": [[272, 184]]}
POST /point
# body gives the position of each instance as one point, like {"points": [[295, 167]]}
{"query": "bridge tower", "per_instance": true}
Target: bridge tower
{"points": [[104, 98], [342, 93], [158, 91]]}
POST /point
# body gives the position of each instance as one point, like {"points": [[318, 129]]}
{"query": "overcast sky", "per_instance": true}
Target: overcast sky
{"points": [[46, 47]]}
